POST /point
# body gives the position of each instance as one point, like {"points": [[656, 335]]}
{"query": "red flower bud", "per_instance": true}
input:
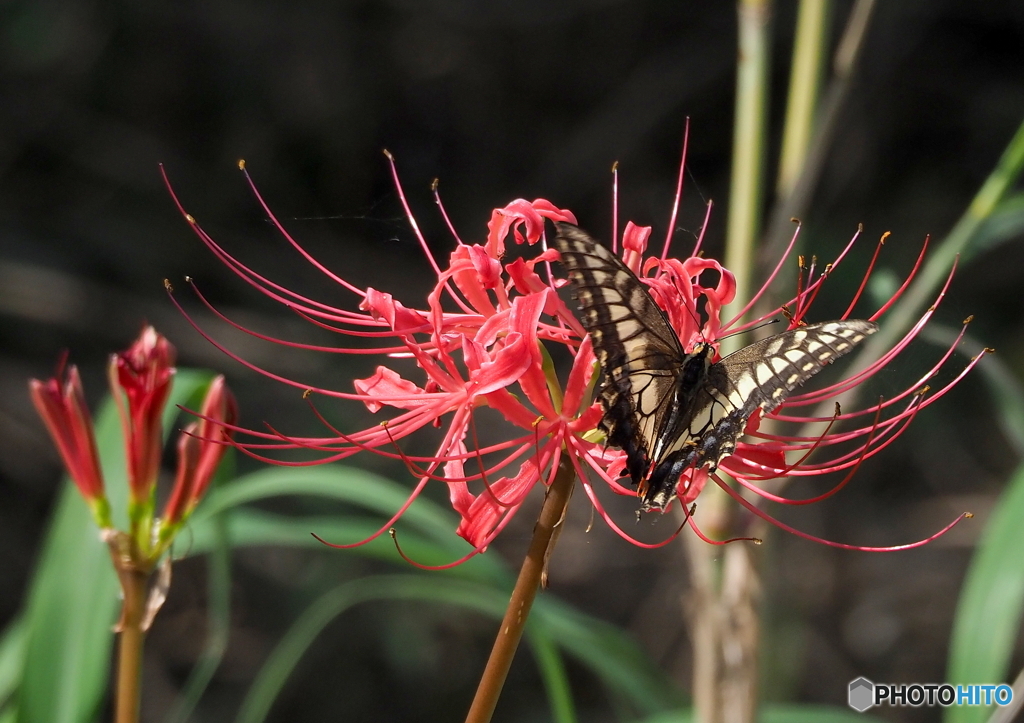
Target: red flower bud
{"points": [[63, 409], [200, 449], [140, 380]]}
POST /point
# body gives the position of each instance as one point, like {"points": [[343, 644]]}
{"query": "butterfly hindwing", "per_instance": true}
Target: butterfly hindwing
{"points": [[669, 410], [764, 373]]}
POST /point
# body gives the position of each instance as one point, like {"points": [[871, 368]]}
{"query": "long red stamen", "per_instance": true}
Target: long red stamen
{"points": [[825, 495], [906, 282], [830, 543], [444, 213], [765, 286], [679, 193], [867, 275], [704, 538], [295, 244], [703, 228]]}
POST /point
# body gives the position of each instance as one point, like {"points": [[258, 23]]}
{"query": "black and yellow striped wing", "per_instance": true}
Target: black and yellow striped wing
{"points": [[669, 410], [638, 350]]}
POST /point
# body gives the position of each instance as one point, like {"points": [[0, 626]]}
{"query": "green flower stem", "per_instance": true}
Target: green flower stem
{"points": [[100, 508], [518, 611]]}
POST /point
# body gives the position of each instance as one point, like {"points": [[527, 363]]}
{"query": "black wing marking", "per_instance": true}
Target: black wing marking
{"points": [[669, 410], [760, 375], [634, 342]]}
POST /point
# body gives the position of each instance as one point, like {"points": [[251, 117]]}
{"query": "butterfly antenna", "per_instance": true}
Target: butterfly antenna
{"points": [[745, 331], [700, 330]]}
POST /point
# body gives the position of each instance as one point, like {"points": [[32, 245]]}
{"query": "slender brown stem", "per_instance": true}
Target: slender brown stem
{"points": [[525, 591], [131, 626]]}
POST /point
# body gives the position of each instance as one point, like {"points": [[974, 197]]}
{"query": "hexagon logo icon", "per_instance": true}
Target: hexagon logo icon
{"points": [[862, 694]]}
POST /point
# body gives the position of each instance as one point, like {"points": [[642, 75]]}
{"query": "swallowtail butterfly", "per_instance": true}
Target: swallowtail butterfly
{"points": [[667, 409]]}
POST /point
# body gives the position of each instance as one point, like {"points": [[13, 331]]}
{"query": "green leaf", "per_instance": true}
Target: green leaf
{"points": [[427, 536], [425, 531], [336, 482], [989, 612], [73, 598], [255, 528], [550, 623], [610, 653], [1005, 224], [554, 676], [12, 653], [219, 608]]}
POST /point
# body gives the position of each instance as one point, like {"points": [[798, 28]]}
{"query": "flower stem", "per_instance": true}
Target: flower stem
{"points": [[135, 586], [505, 644]]}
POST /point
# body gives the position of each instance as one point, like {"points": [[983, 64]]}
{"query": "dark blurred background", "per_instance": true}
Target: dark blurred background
{"points": [[498, 101]]}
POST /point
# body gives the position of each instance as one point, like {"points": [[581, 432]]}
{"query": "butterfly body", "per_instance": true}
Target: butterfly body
{"points": [[667, 409]]}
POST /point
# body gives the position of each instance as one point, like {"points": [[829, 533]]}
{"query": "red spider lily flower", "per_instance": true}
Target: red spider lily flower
{"points": [[200, 448], [140, 380], [63, 409], [484, 338]]}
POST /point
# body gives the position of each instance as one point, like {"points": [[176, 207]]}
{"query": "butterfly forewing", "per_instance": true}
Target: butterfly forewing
{"points": [[669, 410], [633, 340]]}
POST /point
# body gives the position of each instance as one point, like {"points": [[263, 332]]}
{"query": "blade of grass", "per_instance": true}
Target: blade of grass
{"points": [[254, 528], [12, 652], [961, 241], [551, 623], [556, 681], [809, 51], [73, 598], [796, 202], [746, 189], [219, 612], [601, 647], [970, 234], [991, 601], [1003, 384], [336, 482], [293, 645], [612, 655]]}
